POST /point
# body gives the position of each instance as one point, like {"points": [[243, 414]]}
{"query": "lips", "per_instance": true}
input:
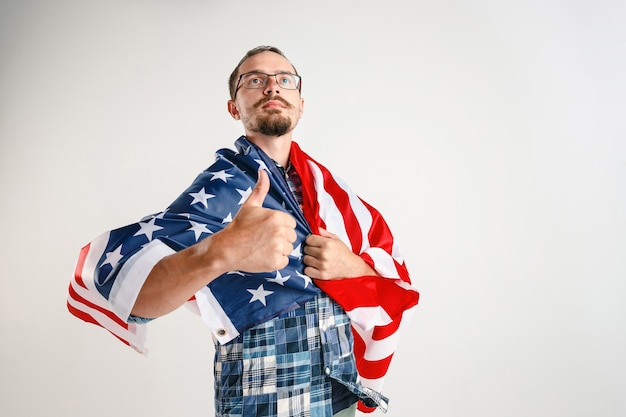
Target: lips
{"points": [[273, 103]]}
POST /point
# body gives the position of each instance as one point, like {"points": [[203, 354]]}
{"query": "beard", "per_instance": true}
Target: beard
{"points": [[273, 124]]}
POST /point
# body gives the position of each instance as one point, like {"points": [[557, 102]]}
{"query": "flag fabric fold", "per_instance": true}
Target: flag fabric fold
{"points": [[112, 268], [376, 305]]}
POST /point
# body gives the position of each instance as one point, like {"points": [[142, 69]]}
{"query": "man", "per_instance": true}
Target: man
{"points": [[299, 281]]}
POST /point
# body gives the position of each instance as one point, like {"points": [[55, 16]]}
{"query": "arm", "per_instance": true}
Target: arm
{"points": [[257, 240]]}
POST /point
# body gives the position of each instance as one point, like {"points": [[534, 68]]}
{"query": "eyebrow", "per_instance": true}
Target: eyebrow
{"points": [[261, 71]]}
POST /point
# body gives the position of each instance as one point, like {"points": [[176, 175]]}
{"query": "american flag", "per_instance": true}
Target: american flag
{"points": [[112, 268]]}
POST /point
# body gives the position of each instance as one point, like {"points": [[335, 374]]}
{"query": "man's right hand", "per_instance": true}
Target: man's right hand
{"points": [[258, 239]]}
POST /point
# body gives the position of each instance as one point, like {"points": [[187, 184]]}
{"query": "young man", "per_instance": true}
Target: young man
{"points": [[299, 281]]}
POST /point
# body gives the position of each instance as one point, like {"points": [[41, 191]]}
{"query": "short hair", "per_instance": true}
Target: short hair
{"points": [[232, 80]]}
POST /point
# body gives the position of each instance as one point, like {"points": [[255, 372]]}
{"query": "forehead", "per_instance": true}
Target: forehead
{"points": [[269, 62]]}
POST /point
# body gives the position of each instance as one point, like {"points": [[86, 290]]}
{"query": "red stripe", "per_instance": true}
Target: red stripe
{"points": [[369, 369], [362, 408], [379, 231], [74, 295], [81, 314], [310, 205], [80, 264], [365, 409], [89, 319]]}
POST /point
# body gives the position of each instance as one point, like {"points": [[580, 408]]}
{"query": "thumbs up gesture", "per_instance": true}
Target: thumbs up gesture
{"points": [[258, 239]]}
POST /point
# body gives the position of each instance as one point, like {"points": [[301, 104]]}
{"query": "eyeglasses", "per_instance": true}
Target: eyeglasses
{"points": [[254, 80]]}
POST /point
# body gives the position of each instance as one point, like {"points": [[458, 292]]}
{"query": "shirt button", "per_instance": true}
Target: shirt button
{"points": [[221, 332], [327, 371]]}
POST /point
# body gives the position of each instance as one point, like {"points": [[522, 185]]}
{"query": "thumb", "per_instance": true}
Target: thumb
{"points": [[257, 196]]}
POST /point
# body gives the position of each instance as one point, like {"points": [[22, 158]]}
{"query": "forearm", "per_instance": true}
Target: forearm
{"points": [[176, 278], [365, 269]]}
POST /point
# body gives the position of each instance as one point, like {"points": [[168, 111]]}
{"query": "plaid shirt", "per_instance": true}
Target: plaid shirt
{"points": [[284, 367]]}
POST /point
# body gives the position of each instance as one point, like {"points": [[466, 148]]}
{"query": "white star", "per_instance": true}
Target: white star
{"points": [[148, 228], [259, 294], [261, 164], [278, 279], [198, 229], [228, 218], [297, 252], [201, 197], [306, 278], [221, 175], [244, 195], [114, 257]]}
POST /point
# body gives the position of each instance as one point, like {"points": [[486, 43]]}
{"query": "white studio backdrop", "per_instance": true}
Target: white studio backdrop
{"points": [[489, 133]]}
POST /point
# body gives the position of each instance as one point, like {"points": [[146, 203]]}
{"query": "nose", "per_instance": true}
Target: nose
{"points": [[272, 86]]}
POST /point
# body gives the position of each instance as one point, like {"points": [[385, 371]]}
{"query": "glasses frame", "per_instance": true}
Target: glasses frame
{"points": [[298, 77]]}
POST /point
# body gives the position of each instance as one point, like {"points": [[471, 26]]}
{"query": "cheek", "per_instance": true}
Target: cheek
{"points": [[300, 108], [299, 112], [243, 113], [245, 116]]}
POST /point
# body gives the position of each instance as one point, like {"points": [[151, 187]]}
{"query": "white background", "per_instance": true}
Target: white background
{"points": [[491, 135]]}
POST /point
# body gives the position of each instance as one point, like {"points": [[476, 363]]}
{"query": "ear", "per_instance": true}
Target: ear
{"points": [[301, 106], [233, 110]]}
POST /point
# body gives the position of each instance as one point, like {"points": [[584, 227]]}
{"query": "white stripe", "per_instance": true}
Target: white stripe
{"points": [[368, 317], [328, 210], [376, 350], [132, 276], [215, 317], [395, 252], [383, 262], [363, 215]]}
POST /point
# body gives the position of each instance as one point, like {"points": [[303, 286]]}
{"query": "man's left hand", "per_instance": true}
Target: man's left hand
{"points": [[326, 257]]}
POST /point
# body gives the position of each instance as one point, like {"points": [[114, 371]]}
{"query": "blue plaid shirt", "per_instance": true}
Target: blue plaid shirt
{"points": [[285, 367]]}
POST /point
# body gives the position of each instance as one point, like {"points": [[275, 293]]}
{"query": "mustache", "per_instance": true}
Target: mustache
{"points": [[274, 98]]}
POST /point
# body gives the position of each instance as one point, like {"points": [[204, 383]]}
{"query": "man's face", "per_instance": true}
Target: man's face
{"points": [[271, 110]]}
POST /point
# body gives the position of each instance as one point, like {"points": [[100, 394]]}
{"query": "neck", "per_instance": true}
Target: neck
{"points": [[276, 147]]}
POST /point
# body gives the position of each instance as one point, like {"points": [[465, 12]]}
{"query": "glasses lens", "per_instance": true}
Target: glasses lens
{"points": [[288, 81], [259, 80], [254, 80]]}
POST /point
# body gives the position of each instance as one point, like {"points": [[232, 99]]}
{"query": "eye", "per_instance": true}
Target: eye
{"points": [[286, 80], [254, 80]]}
